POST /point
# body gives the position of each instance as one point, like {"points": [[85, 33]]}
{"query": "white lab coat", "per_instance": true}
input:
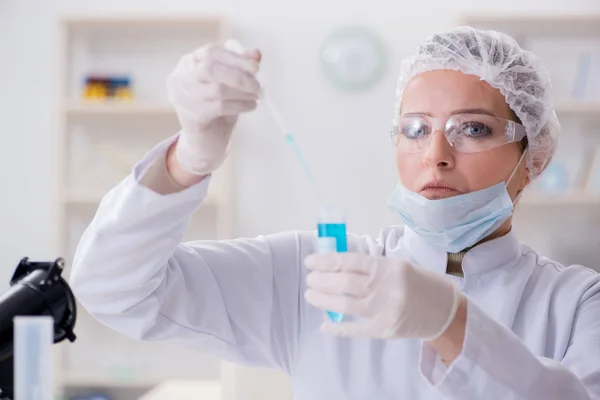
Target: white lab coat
{"points": [[533, 326]]}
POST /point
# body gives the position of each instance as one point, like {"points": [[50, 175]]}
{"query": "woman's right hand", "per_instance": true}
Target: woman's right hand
{"points": [[209, 88]]}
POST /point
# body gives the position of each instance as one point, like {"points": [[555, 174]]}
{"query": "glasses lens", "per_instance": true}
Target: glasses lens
{"points": [[472, 133], [412, 134]]}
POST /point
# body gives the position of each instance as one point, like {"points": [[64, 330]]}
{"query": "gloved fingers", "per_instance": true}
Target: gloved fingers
{"points": [[204, 98], [216, 91], [324, 262], [361, 329], [224, 108], [247, 61], [349, 262], [228, 76], [340, 283], [336, 303]]}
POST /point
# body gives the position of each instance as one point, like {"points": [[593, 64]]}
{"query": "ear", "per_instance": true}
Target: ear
{"points": [[524, 177]]}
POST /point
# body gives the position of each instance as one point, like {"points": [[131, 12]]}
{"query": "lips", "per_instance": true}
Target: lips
{"points": [[438, 185], [435, 190]]}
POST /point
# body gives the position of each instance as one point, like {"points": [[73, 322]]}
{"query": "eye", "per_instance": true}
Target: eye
{"points": [[415, 129], [475, 129]]}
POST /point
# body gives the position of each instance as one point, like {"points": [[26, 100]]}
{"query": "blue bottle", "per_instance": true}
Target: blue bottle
{"points": [[331, 228]]}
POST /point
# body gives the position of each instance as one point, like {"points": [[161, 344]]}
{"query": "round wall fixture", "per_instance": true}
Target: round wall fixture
{"points": [[353, 58]]}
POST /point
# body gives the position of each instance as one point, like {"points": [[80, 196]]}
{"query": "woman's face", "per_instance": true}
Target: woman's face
{"points": [[440, 171]]}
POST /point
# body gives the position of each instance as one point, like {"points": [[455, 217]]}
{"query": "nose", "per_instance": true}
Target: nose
{"points": [[439, 152]]}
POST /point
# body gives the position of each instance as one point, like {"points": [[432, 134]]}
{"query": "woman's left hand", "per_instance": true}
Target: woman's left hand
{"points": [[394, 299]]}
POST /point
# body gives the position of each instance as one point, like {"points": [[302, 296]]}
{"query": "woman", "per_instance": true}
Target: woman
{"points": [[465, 310]]}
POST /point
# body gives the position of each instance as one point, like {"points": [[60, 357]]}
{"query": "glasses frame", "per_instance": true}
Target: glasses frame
{"points": [[513, 131]]}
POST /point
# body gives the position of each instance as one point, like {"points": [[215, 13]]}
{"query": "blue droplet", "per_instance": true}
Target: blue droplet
{"points": [[335, 317]]}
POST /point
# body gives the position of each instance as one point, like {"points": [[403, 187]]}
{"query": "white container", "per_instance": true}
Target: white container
{"points": [[593, 181], [573, 66], [34, 365]]}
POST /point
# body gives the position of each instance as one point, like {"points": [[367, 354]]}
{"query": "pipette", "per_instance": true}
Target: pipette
{"points": [[331, 224], [234, 45], [291, 141]]}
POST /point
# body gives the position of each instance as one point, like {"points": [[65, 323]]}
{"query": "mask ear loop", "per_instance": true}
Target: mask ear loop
{"points": [[518, 197]]}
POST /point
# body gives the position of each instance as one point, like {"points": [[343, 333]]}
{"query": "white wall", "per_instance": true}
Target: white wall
{"points": [[344, 136]]}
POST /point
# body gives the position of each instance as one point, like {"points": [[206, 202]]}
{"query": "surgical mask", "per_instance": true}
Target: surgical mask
{"points": [[455, 223]]}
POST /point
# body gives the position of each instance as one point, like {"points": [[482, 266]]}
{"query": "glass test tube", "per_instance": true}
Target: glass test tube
{"points": [[331, 228], [34, 363]]}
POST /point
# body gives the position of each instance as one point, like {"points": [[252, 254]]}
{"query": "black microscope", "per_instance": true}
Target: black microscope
{"points": [[36, 289]]}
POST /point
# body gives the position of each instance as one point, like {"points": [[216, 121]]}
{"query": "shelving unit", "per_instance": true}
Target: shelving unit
{"points": [[575, 198], [94, 199], [523, 26], [578, 107], [79, 380], [564, 225], [118, 108], [97, 143], [560, 40]]}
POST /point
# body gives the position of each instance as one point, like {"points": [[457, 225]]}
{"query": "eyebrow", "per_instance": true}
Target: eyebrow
{"points": [[461, 111]]}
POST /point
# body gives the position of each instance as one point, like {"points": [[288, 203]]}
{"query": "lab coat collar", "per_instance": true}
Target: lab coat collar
{"points": [[480, 259], [423, 253]]}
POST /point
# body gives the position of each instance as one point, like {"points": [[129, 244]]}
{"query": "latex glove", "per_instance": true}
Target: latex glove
{"points": [[395, 299], [209, 88]]}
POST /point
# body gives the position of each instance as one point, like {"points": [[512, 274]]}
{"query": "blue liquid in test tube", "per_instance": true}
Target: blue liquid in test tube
{"points": [[331, 228]]}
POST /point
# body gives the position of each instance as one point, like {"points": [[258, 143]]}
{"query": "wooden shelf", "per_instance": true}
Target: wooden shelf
{"points": [[94, 380], [548, 25], [97, 380], [109, 21], [568, 199], [186, 389], [111, 108], [207, 27], [577, 107], [94, 199]]}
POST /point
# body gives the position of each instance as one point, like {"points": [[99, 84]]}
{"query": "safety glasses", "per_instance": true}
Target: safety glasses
{"points": [[467, 133]]}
